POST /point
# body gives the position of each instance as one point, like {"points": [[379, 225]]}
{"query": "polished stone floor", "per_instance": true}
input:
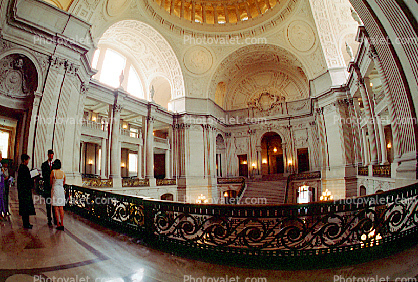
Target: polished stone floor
{"points": [[86, 252]]}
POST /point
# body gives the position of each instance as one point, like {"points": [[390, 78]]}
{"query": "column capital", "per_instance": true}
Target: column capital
{"points": [[150, 119], [117, 108]]}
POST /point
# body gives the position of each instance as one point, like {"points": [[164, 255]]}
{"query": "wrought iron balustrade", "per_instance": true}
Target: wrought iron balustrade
{"points": [[382, 170], [306, 230], [163, 182], [363, 170], [97, 182], [134, 182]]}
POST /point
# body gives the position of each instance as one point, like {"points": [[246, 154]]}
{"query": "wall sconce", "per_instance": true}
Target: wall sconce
{"points": [[90, 162], [289, 162], [254, 165], [264, 161], [125, 126], [153, 133], [226, 194], [371, 84], [93, 118], [244, 162], [122, 165], [389, 145], [326, 196], [275, 150], [201, 200]]}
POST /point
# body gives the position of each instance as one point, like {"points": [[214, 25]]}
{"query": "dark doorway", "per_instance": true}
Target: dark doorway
{"points": [[271, 154], [159, 166], [303, 160], [243, 165], [280, 164]]}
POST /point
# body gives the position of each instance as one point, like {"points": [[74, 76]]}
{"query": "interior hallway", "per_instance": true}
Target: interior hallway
{"points": [[88, 252]]}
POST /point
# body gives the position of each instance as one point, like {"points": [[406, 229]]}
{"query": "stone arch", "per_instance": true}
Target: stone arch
{"points": [[261, 133], [162, 90], [274, 59], [152, 52], [362, 190], [32, 58]]}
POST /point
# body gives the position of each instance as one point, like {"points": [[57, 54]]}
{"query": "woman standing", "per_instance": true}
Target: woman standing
{"points": [[57, 193], [24, 189]]}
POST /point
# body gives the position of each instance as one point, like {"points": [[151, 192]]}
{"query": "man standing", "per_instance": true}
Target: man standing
{"points": [[24, 189], [46, 173]]}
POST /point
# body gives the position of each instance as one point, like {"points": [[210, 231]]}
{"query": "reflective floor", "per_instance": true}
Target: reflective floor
{"points": [[86, 252]]}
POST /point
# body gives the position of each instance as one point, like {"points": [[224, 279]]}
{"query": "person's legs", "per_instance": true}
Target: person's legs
{"points": [[61, 209], [6, 197], [25, 219], [56, 212]]}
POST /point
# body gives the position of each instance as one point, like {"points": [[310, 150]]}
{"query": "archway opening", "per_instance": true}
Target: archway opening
{"points": [[160, 91], [272, 156]]}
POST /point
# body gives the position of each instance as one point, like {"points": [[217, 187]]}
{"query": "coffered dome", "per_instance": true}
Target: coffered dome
{"points": [[220, 13]]}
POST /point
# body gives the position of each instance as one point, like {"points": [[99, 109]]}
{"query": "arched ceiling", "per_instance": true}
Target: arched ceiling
{"points": [[149, 49], [256, 69]]}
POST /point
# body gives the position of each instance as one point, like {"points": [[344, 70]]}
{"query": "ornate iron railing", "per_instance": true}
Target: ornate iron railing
{"points": [[276, 231], [382, 170], [134, 182], [163, 182], [97, 182], [363, 170]]}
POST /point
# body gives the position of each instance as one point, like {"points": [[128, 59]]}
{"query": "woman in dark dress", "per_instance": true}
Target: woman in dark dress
{"points": [[24, 189]]}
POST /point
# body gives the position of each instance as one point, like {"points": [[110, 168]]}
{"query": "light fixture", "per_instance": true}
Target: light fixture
{"points": [[253, 165], [225, 194], [371, 84], [275, 150], [125, 126], [90, 161], [389, 145], [326, 196], [93, 118], [264, 161], [153, 133], [122, 165], [289, 162], [244, 162], [201, 199]]}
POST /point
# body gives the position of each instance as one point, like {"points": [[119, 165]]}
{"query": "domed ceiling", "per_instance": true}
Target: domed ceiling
{"points": [[225, 15]]}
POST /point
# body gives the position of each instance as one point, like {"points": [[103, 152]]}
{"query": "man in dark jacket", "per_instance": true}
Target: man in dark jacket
{"points": [[24, 189], [46, 173]]}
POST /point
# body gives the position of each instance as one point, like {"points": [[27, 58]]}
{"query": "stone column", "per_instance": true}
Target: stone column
{"points": [[365, 147], [82, 163], [115, 154], [369, 122], [33, 119], [167, 164], [139, 164], [103, 159], [382, 140], [150, 151], [259, 160]]}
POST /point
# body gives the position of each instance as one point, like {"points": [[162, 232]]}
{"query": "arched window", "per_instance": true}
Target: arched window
{"points": [[134, 84], [113, 65]]}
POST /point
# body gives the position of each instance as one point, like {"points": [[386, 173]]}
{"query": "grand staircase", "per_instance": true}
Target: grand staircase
{"points": [[272, 188]]}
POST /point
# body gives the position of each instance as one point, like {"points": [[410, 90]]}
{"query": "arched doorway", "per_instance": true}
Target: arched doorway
{"points": [[272, 155], [18, 84]]}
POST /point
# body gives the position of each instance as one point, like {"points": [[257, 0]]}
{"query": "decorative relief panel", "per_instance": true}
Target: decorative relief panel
{"points": [[198, 60], [116, 7], [300, 36], [18, 77]]}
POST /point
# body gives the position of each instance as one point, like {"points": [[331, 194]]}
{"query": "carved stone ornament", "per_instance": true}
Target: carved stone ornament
{"points": [[198, 60], [266, 101], [301, 36], [13, 79]]}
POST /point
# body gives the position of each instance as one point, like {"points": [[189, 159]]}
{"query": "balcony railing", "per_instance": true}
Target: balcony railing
{"points": [[160, 140], [382, 170], [164, 182], [97, 182], [129, 133], [306, 231], [135, 182], [94, 125], [363, 170]]}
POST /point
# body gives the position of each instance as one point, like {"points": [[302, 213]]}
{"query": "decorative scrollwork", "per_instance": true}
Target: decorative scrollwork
{"points": [[288, 230]]}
